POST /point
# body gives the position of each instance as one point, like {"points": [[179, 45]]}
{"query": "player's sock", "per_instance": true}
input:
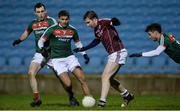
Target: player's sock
{"points": [[36, 101], [125, 93], [37, 96], [102, 99], [101, 103], [127, 97], [73, 101]]}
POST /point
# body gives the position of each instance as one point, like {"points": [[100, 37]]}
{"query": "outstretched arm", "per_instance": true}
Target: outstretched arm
{"points": [[91, 45], [41, 42], [86, 57], [155, 52], [152, 53], [24, 35]]}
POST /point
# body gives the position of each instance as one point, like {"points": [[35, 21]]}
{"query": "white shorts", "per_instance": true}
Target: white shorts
{"points": [[118, 57], [38, 58], [61, 65]]}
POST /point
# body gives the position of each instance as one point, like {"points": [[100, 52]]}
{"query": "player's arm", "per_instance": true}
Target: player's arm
{"points": [[152, 53], [24, 35], [79, 45], [94, 43], [42, 41]]}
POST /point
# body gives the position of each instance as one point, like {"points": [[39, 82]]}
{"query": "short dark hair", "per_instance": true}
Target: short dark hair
{"points": [[38, 5], [90, 14], [153, 27], [63, 13]]}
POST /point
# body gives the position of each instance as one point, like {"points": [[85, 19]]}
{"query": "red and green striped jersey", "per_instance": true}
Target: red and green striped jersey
{"points": [[172, 46], [38, 27], [60, 40]]}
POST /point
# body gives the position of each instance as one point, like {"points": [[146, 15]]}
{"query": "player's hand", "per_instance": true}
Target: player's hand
{"points": [[16, 42], [44, 52], [86, 58], [78, 49], [136, 55]]}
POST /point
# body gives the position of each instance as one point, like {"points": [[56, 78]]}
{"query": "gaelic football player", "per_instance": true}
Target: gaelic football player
{"points": [[167, 44], [37, 26], [62, 59], [106, 33]]}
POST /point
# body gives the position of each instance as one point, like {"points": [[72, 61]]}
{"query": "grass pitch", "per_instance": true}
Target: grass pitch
{"points": [[55, 102]]}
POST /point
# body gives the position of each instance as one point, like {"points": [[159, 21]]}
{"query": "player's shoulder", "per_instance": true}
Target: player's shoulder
{"points": [[52, 19], [72, 27], [104, 19], [33, 20]]}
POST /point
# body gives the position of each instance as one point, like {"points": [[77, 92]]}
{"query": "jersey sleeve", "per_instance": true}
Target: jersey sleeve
{"points": [[53, 21], [75, 36], [47, 33], [29, 28]]}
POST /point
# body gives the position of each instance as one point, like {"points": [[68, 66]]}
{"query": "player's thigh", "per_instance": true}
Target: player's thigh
{"points": [[79, 74], [36, 62], [110, 69], [34, 68], [72, 62], [59, 66], [64, 78]]}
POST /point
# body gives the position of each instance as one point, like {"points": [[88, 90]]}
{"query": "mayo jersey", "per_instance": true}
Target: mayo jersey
{"points": [[38, 27], [172, 47], [60, 40]]}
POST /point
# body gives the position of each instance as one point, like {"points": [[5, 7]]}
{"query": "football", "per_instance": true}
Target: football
{"points": [[88, 101]]}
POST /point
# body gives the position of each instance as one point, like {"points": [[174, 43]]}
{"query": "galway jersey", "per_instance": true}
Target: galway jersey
{"points": [[108, 36], [38, 27], [60, 40], [172, 46]]}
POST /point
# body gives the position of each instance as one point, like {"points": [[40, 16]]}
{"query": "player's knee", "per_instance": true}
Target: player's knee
{"points": [[31, 74], [105, 77]]}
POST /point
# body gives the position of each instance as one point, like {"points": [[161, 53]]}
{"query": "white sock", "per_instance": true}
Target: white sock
{"points": [[103, 99], [125, 93]]}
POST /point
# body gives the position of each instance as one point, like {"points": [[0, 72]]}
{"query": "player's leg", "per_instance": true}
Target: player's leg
{"points": [[34, 67], [127, 97], [62, 73], [66, 82], [108, 72], [120, 59], [33, 70], [74, 67], [79, 74]]}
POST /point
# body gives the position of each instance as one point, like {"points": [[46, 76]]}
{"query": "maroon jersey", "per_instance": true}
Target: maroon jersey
{"points": [[108, 36]]}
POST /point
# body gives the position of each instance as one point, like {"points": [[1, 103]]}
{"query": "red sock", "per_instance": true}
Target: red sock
{"points": [[36, 95]]}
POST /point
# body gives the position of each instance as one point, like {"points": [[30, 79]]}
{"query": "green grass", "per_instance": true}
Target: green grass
{"points": [[55, 102]]}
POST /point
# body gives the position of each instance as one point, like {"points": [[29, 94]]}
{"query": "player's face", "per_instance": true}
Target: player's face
{"points": [[153, 35], [91, 22], [40, 12], [64, 21]]}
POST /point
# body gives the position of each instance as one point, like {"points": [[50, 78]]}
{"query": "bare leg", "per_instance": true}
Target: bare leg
{"points": [[33, 70], [66, 82], [109, 71], [79, 74]]}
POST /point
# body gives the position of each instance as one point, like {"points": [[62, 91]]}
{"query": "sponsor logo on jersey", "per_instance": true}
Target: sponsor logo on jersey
{"points": [[63, 33], [40, 25]]}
